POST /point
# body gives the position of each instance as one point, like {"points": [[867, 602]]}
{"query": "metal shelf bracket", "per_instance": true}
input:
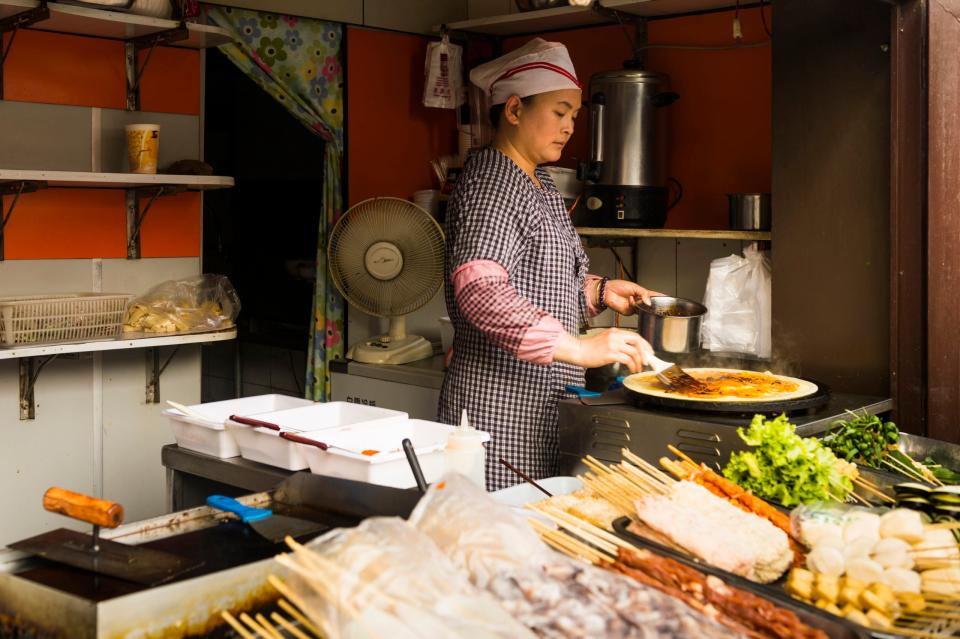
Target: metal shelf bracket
{"points": [[135, 216], [16, 188], [154, 371], [149, 42], [10, 24], [29, 372]]}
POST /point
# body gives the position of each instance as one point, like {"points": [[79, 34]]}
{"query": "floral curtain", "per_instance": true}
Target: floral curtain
{"points": [[298, 62]]}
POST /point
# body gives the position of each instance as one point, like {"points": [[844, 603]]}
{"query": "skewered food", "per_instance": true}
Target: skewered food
{"points": [[738, 609], [385, 579], [565, 599], [717, 532], [586, 505], [550, 594]]}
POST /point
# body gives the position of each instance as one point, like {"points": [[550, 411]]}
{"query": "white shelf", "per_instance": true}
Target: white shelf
{"points": [[115, 25], [756, 236], [140, 341], [569, 17], [80, 179]]}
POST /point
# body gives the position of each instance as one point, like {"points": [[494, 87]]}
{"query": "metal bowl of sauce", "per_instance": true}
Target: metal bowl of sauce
{"points": [[671, 324]]}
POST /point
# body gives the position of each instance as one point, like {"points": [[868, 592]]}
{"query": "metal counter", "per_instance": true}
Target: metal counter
{"points": [[601, 427], [192, 476]]}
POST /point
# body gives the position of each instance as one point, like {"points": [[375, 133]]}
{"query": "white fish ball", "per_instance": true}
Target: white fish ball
{"points": [[902, 580], [826, 560], [862, 524], [864, 569]]}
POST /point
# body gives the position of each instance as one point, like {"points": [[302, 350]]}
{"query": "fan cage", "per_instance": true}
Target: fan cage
{"points": [[407, 226]]}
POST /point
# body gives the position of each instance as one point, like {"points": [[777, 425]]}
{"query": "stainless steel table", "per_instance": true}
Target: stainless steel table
{"points": [[192, 476]]}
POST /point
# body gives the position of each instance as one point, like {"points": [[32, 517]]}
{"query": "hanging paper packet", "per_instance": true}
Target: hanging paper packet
{"points": [[444, 75]]}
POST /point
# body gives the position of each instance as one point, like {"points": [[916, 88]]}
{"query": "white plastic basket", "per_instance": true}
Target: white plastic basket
{"points": [[70, 317]]}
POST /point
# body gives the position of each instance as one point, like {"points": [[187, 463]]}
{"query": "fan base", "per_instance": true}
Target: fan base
{"points": [[392, 351]]}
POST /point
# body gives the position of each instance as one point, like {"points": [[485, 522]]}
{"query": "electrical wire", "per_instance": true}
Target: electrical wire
{"points": [[623, 266], [763, 19]]}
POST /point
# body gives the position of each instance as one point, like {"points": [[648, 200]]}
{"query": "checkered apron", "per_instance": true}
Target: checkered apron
{"points": [[497, 213]]}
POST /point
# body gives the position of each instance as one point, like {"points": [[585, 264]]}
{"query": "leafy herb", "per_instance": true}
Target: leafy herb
{"points": [[864, 439], [942, 473], [784, 467]]}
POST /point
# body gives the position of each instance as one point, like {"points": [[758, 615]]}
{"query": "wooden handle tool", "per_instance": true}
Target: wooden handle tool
{"points": [[98, 512]]}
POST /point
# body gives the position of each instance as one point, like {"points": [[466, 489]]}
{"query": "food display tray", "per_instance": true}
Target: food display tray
{"points": [[835, 627]]}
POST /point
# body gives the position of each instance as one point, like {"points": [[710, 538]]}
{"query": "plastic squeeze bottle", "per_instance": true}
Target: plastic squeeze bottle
{"points": [[465, 453]]}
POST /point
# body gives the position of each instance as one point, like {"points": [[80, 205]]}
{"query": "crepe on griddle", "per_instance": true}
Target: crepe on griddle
{"points": [[725, 385]]}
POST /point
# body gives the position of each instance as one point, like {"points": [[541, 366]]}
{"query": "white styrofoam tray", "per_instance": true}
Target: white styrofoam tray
{"points": [[208, 435], [523, 493], [389, 466], [264, 445], [519, 495]]}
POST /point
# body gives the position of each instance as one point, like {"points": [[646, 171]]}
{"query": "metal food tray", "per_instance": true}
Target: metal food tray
{"points": [[835, 627], [944, 453]]}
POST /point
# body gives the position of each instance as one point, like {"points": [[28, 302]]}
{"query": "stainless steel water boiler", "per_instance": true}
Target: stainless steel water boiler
{"points": [[626, 175]]}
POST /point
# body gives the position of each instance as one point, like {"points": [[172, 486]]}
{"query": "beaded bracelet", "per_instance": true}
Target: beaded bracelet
{"points": [[601, 304]]}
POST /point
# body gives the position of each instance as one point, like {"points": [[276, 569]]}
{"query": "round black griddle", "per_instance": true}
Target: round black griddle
{"points": [[814, 400]]}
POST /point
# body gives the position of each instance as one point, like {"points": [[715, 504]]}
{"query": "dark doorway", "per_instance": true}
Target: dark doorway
{"points": [[262, 233]]}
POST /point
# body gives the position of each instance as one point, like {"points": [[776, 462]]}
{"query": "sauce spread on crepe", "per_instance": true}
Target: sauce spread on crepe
{"points": [[737, 384]]}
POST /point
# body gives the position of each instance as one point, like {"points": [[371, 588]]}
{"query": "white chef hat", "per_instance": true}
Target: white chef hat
{"points": [[536, 67]]}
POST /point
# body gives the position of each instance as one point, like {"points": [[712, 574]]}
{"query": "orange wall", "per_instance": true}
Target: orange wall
{"points": [[73, 223], [391, 136], [719, 130]]}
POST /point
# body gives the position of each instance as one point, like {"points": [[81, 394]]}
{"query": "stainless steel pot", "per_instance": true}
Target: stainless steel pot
{"points": [[749, 211], [672, 324]]}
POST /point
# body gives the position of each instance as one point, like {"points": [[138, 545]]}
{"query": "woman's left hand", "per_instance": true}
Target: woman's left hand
{"points": [[623, 296]]}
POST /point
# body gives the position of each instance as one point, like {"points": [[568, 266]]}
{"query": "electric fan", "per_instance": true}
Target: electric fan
{"points": [[386, 258]]}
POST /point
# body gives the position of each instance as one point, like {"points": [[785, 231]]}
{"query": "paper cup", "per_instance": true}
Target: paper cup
{"points": [[143, 143]]}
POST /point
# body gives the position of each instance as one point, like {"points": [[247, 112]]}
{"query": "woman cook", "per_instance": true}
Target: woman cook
{"points": [[517, 287]]}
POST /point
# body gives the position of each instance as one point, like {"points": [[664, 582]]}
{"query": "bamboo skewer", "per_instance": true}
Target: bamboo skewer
{"points": [[874, 491], [653, 470], [253, 625], [284, 590], [289, 627], [902, 468], [943, 525], [300, 618], [597, 536], [236, 625], [268, 627]]}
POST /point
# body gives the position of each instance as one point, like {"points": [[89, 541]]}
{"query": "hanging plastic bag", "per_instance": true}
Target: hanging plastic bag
{"points": [[203, 303], [738, 299], [444, 75]]}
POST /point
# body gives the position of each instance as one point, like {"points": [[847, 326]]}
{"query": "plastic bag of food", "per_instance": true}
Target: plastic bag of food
{"points": [[386, 579], [477, 533], [203, 303], [738, 300], [444, 75], [552, 594]]}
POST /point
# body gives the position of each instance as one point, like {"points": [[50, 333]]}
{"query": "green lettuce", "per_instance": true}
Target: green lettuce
{"points": [[784, 467]]}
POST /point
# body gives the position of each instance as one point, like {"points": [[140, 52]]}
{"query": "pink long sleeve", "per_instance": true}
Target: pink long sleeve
{"points": [[487, 300]]}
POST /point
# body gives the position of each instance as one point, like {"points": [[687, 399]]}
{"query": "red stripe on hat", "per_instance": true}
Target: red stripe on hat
{"points": [[536, 65]]}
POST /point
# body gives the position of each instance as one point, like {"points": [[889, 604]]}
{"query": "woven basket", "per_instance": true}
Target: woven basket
{"points": [[50, 319]]}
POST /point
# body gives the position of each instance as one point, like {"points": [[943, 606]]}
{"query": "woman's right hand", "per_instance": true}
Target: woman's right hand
{"points": [[612, 345]]}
